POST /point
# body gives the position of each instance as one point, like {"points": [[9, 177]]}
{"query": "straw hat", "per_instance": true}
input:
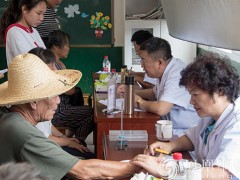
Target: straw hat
{"points": [[30, 79]]}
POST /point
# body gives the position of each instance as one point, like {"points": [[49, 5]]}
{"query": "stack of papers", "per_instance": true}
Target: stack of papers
{"points": [[3, 71], [119, 102]]}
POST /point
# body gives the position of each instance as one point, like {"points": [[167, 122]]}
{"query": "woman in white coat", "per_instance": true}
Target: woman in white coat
{"points": [[213, 85]]}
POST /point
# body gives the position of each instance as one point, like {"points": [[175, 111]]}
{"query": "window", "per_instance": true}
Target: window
{"points": [[233, 55]]}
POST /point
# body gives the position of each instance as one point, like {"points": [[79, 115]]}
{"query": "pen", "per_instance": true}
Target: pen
{"points": [[162, 151]]}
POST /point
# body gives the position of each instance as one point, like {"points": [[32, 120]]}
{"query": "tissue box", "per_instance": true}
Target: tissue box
{"points": [[128, 135]]}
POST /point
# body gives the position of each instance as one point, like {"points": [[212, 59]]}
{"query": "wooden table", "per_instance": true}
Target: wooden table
{"points": [[134, 148], [105, 122]]}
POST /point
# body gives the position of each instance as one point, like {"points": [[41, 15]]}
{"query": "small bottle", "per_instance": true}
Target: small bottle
{"points": [[179, 172], [129, 95], [106, 65], [123, 73]]}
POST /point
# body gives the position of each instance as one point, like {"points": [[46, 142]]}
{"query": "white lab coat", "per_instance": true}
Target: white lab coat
{"points": [[223, 144], [167, 89]]}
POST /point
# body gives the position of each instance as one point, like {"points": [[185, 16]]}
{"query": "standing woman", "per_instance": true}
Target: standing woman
{"points": [[17, 26], [77, 118]]}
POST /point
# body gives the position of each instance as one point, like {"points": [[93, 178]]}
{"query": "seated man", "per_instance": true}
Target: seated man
{"points": [[31, 95], [141, 77], [73, 146], [167, 98]]}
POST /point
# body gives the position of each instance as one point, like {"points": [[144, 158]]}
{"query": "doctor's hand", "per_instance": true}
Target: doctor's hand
{"points": [[166, 146], [150, 163]]}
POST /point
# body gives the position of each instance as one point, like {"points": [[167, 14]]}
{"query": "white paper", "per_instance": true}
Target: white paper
{"points": [[118, 103], [111, 103], [3, 71]]}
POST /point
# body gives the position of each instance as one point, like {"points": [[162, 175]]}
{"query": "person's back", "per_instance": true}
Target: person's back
{"points": [[28, 136]]}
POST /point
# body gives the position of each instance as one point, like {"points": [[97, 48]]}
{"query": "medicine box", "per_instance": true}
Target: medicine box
{"points": [[128, 135]]}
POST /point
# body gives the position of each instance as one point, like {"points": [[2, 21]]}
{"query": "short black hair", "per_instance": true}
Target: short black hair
{"points": [[157, 48], [57, 38], [140, 36], [212, 73], [46, 55]]}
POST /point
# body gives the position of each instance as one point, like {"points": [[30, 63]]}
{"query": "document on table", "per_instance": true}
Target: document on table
{"points": [[119, 102], [3, 71]]}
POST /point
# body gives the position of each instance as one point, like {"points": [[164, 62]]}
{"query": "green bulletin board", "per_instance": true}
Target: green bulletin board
{"points": [[3, 7], [75, 16]]}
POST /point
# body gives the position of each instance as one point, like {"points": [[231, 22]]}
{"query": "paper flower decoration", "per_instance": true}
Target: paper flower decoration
{"points": [[71, 10], [99, 21]]}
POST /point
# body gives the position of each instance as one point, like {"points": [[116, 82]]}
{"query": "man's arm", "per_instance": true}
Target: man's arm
{"points": [[147, 94], [101, 169], [139, 77], [157, 107], [145, 100]]}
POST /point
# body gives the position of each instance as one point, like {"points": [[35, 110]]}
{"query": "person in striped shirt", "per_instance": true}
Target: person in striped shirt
{"points": [[50, 21]]}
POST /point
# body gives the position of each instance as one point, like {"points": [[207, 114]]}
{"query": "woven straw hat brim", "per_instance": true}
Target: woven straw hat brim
{"points": [[48, 90], [25, 85]]}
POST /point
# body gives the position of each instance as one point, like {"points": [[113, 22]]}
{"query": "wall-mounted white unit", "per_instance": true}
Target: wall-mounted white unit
{"points": [[131, 26], [184, 50]]}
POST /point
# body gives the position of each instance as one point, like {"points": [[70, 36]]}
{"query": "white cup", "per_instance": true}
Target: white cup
{"points": [[194, 171], [163, 130]]}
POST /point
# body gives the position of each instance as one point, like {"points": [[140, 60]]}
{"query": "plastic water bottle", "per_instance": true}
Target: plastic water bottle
{"points": [[106, 65], [179, 172]]}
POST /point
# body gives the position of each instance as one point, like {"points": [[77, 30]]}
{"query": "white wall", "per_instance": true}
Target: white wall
{"points": [[119, 22], [181, 49], [184, 50]]}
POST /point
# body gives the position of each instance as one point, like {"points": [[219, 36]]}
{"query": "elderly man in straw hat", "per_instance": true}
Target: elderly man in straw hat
{"points": [[30, 96]]}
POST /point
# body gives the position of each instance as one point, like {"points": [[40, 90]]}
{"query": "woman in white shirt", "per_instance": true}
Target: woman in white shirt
{"points": [[213, 85]]}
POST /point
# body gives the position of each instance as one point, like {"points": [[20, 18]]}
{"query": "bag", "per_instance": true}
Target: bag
{"points": [[77, 98]]}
